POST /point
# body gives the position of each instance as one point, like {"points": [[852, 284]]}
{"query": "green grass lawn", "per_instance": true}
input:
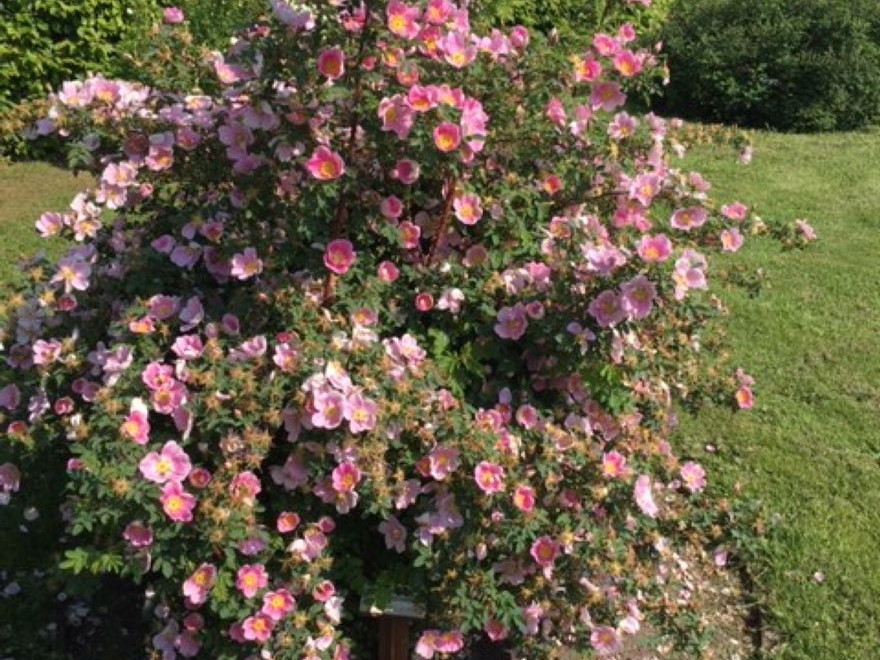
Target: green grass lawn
{"points": [[811, 447], [26, 190]]}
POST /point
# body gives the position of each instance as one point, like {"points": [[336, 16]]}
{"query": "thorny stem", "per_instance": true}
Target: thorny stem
{"points": [[340, 217], [451, 183]]}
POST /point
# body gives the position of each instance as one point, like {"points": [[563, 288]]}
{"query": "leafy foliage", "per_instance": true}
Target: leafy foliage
{"points": [[388, 310], [810, 65]]}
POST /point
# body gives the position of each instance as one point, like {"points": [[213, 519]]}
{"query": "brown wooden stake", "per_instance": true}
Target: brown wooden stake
{"points": [[393, 638]]}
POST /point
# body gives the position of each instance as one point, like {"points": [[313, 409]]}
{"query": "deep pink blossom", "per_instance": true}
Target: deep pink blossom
{"points": [[544, 551], [331, 63], [257, 628], [278, 604], [138, 534], [339, 256], [325, 165], [447, 137], [346, 477], [489, 477], [177, 503], [250, 579]]}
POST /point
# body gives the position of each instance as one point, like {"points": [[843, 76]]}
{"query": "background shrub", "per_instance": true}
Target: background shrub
{"points": [[804, 65], [43, 42], [212, 23], [570, 18]]}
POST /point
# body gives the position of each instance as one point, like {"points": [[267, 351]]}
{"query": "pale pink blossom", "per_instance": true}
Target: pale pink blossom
{"points": [[512, 322], [614, 465], [694, 476], [246, 265], [644, 496], [737, 211], [171, 464], [607, 308], [395, 534], [731, 240], [608, 96], [136, 427], [654, 249], [690, 218], [443, 461], [467, 208], [198, 585], [329, 410], [605, 641], [173, 15], [638, 296], [360, 413]]}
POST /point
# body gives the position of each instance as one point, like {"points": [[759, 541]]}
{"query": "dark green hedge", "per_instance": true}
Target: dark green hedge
{"points": [[794, 65]]}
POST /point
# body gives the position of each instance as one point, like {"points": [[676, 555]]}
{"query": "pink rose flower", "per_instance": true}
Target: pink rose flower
{"points": [[138, 534], [257, 628], [544, 551], [512, 322], [331, 63], [250, 579], [524, 498], [395, 534], [644, 496], [199, 584], [694, 476], [346, 476], [173, 15], [339, 256], [177, 503], [278, 604], [171, 464], [447, 137], [325, 165], [489, 477]]}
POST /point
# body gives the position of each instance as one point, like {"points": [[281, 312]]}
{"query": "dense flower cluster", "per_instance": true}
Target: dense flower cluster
{"points": [[399, 311]]}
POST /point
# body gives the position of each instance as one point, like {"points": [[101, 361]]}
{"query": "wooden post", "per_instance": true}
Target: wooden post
{"points": [[393, 638], [395, 619]]}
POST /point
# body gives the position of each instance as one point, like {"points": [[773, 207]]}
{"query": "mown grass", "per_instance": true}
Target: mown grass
{"points": [[811, 447], [26, 190]]}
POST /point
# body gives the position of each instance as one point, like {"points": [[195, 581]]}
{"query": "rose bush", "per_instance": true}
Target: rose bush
{"points": [[400, 310]]}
